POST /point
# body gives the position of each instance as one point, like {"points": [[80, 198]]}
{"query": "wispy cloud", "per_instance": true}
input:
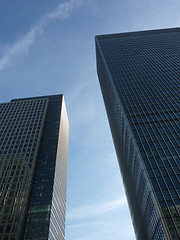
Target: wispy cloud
{"points": [[21, 46], [94, 210], [86, 224], [96, 229], [79, 88]]}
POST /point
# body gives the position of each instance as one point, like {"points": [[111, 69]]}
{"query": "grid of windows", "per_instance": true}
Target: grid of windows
{"points": [[57, 220], [142, 69], [33, 168], [20, 127], [49, 170]]}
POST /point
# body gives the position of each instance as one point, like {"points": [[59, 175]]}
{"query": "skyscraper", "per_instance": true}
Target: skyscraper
{"points": [[139, 74], [33, 168]]}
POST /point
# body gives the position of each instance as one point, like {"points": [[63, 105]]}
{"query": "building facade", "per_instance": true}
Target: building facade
{"points": [[33, 168], [139, 74]]}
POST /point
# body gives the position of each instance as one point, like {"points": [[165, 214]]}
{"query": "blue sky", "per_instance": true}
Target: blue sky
{"points": [[47, 47]]}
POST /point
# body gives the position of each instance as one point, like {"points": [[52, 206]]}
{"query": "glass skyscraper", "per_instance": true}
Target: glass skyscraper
{"points": [[33, 168], [139, 74]]}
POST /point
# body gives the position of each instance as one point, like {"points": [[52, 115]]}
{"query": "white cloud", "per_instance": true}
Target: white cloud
{"points": [[94, 210], [21, 46], [86, 224], [75, 93], [109, 229]]}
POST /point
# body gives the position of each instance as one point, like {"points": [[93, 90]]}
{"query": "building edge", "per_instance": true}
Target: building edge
{"points": [[106, 85]]}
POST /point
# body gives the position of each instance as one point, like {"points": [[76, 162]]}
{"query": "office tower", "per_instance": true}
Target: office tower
{"points": [[139, 74], [33, 168]]}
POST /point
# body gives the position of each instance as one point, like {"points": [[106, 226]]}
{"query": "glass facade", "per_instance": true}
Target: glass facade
{"points": [[139, 74], [33, 131]]}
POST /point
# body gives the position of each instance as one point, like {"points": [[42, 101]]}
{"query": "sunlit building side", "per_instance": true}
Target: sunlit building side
{"points": [[33, 168]]}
